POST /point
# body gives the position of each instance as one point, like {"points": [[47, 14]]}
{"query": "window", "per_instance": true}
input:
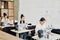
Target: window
{"points": [[11, 5], [11, 12], [11, 18]]}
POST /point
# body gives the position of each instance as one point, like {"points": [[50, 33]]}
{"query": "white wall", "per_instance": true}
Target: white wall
{"points": [[35, 9], [16, 8]]}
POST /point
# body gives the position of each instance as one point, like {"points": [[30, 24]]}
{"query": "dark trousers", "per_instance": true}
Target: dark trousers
{"points": [[23, 35], [40, 33]]}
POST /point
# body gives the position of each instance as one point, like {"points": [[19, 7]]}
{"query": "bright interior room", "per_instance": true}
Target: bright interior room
{"points": [[29, 20]]}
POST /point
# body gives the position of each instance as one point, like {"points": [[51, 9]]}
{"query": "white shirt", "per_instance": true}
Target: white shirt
{"points": [[40, 27], [22, 26], [5, 21]]}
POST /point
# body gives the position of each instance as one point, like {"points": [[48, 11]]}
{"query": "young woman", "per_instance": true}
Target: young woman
{"points": [[41, 26], [23, 26], [5, 20]]}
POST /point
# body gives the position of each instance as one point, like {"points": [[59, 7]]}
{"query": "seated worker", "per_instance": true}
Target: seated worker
{"points": [[23, 26], [40, 27], [4, 20]]}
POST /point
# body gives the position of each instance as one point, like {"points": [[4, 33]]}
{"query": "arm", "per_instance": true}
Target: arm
{"points": [[36, 29]]}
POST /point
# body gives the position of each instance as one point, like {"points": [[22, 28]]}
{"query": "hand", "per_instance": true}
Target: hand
{"points": [[48, 32]]}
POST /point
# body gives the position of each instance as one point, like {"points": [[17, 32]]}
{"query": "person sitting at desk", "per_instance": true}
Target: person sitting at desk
{"points": [[5, 20], [23, 26], [41, 26]]}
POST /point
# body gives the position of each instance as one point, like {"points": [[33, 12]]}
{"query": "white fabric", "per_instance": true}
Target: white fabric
{"points": [[5, 22], [22, 26], [40, 27]]}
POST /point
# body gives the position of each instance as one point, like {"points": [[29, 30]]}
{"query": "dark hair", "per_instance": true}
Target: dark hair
{"points": [[22, 15], [42, 19], [22, 21], [4, 14]]}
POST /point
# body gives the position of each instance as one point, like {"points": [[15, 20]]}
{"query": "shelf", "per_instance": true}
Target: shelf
{"points": [[6, 0], [11, 18], [5, 4], [11, 4], [10, 0], [11, 12]]}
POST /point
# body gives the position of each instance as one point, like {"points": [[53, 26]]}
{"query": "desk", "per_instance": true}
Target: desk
{"points": [[7, 29], [6, 36], [7, 26], [52, 36], [1, 27], [22, 31], [10, 25]]}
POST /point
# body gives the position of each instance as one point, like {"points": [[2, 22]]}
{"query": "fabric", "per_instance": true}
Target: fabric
{"points": [[40, 27], [40, 33], [4, 22], [22, 26], [23, 35]]}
